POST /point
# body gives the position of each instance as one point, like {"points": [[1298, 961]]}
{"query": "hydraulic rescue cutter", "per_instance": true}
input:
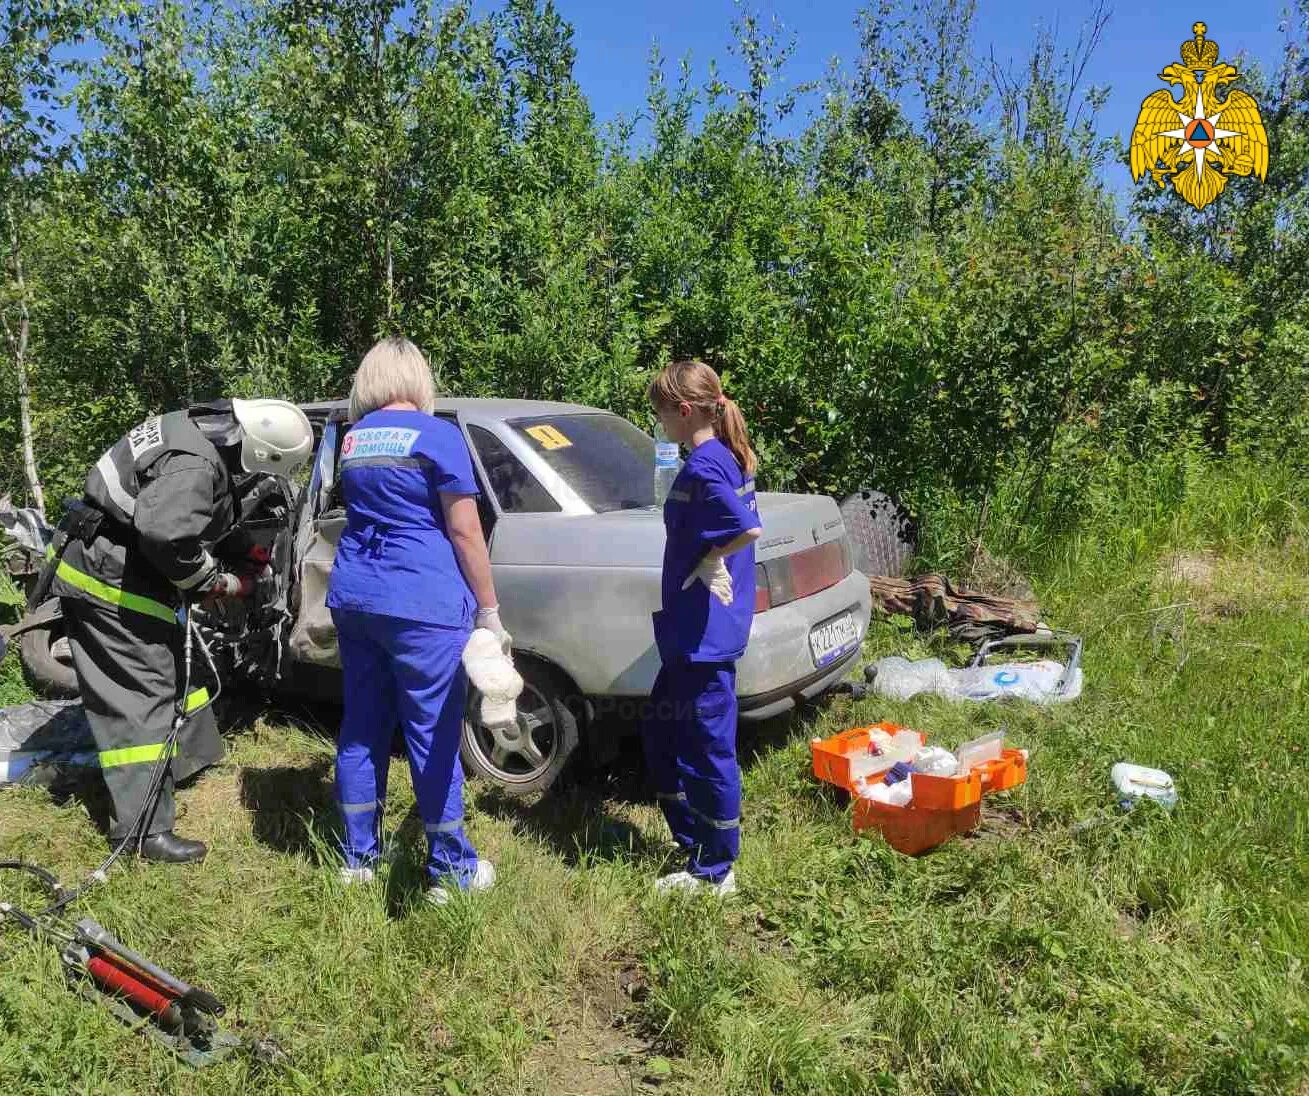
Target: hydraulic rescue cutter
{"points": [[143, 995], [182, 1017]]}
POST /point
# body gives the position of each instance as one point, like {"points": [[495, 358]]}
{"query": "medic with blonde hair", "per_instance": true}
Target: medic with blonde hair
{"points": [[411, 577]]}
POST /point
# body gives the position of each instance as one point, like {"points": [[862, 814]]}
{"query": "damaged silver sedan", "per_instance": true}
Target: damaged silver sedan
{"points": [[576, 540]]}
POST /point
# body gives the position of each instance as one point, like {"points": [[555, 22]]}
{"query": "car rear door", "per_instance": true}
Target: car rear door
{"points": [[575, 587]]}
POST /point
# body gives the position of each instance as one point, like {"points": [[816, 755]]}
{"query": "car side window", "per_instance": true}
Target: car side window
{"points": [[516, 489]]}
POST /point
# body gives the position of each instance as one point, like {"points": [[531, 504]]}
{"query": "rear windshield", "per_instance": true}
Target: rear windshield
{"points": [[604, 458]]}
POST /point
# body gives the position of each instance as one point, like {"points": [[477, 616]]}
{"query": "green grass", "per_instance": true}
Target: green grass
{"points": [[1066, 947], [13, 690]]}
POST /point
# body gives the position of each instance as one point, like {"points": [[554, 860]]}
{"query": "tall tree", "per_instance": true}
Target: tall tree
{"points": [[32, 33]]}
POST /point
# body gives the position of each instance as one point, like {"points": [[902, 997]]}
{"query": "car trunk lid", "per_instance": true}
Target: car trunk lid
{"points": [[803, 549]]}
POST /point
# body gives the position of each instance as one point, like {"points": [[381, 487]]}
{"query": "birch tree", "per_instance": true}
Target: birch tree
{"points": [[32, 33]]}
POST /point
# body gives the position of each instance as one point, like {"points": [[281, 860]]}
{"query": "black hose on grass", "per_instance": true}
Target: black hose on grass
{"points": [[62, 897]]}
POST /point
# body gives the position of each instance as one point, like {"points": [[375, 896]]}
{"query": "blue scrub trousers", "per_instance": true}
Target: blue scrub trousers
{"points": [[411, 673], [689, 738]]}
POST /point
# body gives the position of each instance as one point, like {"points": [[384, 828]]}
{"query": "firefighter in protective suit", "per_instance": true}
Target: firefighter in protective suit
{"points": [[141, 543]]}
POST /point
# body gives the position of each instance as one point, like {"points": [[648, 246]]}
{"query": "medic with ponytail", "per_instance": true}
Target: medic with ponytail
{"points": [[711, 523]]}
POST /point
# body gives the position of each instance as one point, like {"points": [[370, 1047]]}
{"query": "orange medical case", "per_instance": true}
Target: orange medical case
{"points": [[942, 806], [915, 829]]}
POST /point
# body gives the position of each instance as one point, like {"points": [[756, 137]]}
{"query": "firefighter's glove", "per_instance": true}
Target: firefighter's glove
{"points": [[265, 583], [490, 620], [714, 574], [226, 584]]}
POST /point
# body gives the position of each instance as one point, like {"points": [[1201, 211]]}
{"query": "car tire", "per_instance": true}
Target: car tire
{"points": [[883, 536], [47, 659], [547, 710]]}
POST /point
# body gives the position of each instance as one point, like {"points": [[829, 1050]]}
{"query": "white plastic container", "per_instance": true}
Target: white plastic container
{"points": [[904, 746], [899, 794], [901, 746], [1134, 782], [974, 753], [1038, 682], [863, 765]]}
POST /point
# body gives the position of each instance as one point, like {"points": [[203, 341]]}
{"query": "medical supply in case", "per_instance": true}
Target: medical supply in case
{"points": [[928, 807]]}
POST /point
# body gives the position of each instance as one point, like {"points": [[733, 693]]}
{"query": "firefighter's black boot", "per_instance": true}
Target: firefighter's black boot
{"points": [[171, 849]]}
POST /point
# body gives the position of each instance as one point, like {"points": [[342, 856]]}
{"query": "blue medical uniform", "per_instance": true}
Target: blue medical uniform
{"points": [[403, 613], [690, 734]]}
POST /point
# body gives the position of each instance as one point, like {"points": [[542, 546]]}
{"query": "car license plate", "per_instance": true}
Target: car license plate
{"points": [[833, 638]]}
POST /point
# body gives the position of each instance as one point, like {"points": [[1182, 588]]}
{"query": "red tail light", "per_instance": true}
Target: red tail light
{"points": [[817, 568], [800, 574]]}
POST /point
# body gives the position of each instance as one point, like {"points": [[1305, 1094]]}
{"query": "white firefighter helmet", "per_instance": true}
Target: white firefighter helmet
{"points": [[277, 436]]}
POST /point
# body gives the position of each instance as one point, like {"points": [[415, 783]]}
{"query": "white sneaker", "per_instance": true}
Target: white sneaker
{"points": [[352, 877], [685, 881], [483, 880]]}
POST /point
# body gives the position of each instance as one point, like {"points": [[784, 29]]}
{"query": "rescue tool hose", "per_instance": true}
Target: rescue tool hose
{"points": [[158, 774], [25, 919], [46, 920], [113, 967]]}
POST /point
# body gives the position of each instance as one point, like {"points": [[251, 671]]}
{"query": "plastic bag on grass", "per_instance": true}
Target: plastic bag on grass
{"points": [[43, 738], [1038, 682]]}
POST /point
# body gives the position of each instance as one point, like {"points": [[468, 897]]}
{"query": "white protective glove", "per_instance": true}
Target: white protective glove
{"points": [[492, 673], [490, 620], [714, 574]]}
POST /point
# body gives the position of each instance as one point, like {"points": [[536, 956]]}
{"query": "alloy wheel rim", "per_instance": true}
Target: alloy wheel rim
{"points": [[520, 754]]}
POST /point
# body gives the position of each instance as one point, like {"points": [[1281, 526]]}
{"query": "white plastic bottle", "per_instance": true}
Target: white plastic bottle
{"points": [[666, 466]]}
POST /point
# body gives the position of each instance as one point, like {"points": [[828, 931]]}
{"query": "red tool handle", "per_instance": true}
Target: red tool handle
{"points": [[120, 981]]}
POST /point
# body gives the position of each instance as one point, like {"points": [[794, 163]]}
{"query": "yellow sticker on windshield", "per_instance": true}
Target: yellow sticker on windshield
{"points": [[549, 437]]}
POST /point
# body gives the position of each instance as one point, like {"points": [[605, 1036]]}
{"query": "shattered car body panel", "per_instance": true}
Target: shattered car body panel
{"points": [[25, 526], [23, 546]]}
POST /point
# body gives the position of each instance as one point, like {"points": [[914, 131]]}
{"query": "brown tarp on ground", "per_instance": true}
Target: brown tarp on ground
{"points": [[971, 617]]}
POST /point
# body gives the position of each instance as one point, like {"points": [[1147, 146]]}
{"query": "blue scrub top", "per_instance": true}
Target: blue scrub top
{"points": [[710, 504], [395, 557]]}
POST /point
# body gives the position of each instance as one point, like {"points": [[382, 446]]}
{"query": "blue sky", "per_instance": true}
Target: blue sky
{"points": [[613, 42], [613, 39]]}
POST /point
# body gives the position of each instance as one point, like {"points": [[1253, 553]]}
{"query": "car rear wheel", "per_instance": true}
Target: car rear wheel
{"points": [[48, 659], [531, 756]]}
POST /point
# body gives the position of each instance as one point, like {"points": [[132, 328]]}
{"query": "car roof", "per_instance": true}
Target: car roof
{"points": [[481, 408]]}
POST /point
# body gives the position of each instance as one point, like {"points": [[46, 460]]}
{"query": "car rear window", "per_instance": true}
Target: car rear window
{"points": [[604, 458], [516, 489]]}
